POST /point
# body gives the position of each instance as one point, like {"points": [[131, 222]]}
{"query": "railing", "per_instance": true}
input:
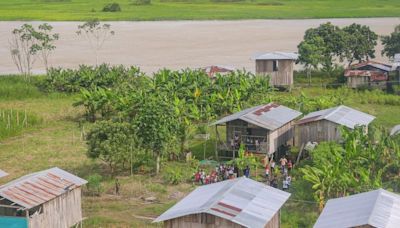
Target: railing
{"points": [[257, 144]]}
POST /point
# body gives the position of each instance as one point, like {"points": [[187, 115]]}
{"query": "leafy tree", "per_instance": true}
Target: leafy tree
{"points": [[360, 164], [45, 42], [96, 33], [113, 143], [23, 48], [391, 43], [153, 117], [311, 54], [361, 42], [331, 43]]}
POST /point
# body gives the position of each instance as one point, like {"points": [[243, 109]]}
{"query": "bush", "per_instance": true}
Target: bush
{"points": [[175, 173], [112, 7], [87, 77], [94, 185], [141, 2]]}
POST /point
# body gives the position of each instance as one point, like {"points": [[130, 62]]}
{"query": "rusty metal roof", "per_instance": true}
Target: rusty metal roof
{"points": [[374, 64], [374, 75], [242, 200], [269, 116], [37, 188], [2, 173]]}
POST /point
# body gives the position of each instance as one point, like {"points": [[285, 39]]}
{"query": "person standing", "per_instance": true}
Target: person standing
{"points": [[283, 162], [289, 165], [267, 172]]}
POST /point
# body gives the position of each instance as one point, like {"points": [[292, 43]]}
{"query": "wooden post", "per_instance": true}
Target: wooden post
{"points": [[216, 142]]}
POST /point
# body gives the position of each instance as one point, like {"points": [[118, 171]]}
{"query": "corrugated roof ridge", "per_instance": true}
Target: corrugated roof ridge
{"points": [[225, 191], [374, 208], [334, 110]]}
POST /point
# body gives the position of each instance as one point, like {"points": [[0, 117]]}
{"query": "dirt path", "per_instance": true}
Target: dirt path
{"points": [[180, 44]]}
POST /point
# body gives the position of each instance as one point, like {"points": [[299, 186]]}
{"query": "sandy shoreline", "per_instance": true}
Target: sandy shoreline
{"points": [[179, 44]]}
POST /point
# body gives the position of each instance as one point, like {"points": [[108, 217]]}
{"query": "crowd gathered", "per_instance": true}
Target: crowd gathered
{"points": [[224, 172]]}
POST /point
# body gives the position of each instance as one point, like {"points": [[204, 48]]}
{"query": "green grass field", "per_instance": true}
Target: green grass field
{"points": [[73, 10]]}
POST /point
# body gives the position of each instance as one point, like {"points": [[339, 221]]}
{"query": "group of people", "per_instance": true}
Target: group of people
{"points": [[225, 172], [285, 168], [220, 173]]}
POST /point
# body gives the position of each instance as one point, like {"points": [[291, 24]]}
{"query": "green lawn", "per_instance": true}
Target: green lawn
{"points": [[73, 10]]}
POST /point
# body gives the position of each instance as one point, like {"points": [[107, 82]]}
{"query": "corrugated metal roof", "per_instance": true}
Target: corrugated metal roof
{"points": [[241, 200], [377, 65], [374, 75], [342, 115], [378, 208], [276, 55], [395, 130], [3, 174], [270, 116], [37, 188]]}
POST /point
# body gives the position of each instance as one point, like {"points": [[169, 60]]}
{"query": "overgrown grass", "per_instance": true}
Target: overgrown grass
{"points": [[61, 10]]}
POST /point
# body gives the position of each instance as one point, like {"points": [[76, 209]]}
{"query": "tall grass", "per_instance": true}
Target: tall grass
{"points": [[16, 87], [13, 122]]}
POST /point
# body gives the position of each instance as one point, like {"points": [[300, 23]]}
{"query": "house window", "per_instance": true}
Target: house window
{"points": [[275, 65]]}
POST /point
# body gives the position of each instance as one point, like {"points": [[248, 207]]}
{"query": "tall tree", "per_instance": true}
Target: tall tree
{"points": [[391, 43], [23, 48], [154, 118], [96, 33], [361, 42], [331, 44], [45, 42]]}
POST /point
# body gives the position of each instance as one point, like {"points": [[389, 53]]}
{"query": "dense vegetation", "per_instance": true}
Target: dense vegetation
{"points": [[79, 10], [59, 140]]}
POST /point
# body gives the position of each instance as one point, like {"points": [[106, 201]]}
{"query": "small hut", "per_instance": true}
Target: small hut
{"points": [[368, 73], [277, 65], [324, 125], [236, 203], [49, 198], [261, 129], [211, 71], [379, 208]]}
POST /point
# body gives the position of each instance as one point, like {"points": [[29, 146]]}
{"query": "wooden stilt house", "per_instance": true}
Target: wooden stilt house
{"points": [[261, 129], [49, 198], [277, 65]]}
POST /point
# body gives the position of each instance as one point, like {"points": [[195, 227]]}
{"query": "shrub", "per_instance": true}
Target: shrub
{"points": [[141, 2], [112, 7], [93, 186], [175, 173]]}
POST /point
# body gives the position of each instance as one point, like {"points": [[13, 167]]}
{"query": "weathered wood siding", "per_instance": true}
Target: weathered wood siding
{"points": [[204, 220], [62, 212], [281, 136], [318, 131], [200, 221], [282, 77], [357, 81], [274, 222]]}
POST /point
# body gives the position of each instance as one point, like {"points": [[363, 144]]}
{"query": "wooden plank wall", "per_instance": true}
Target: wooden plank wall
{"points": [[200, 221], [282, 77], [62, 212], [274, 222], [317, 131], [281, 136]]}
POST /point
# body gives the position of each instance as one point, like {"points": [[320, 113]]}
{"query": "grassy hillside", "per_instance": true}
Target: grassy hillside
{"points": [[61, 10]]}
